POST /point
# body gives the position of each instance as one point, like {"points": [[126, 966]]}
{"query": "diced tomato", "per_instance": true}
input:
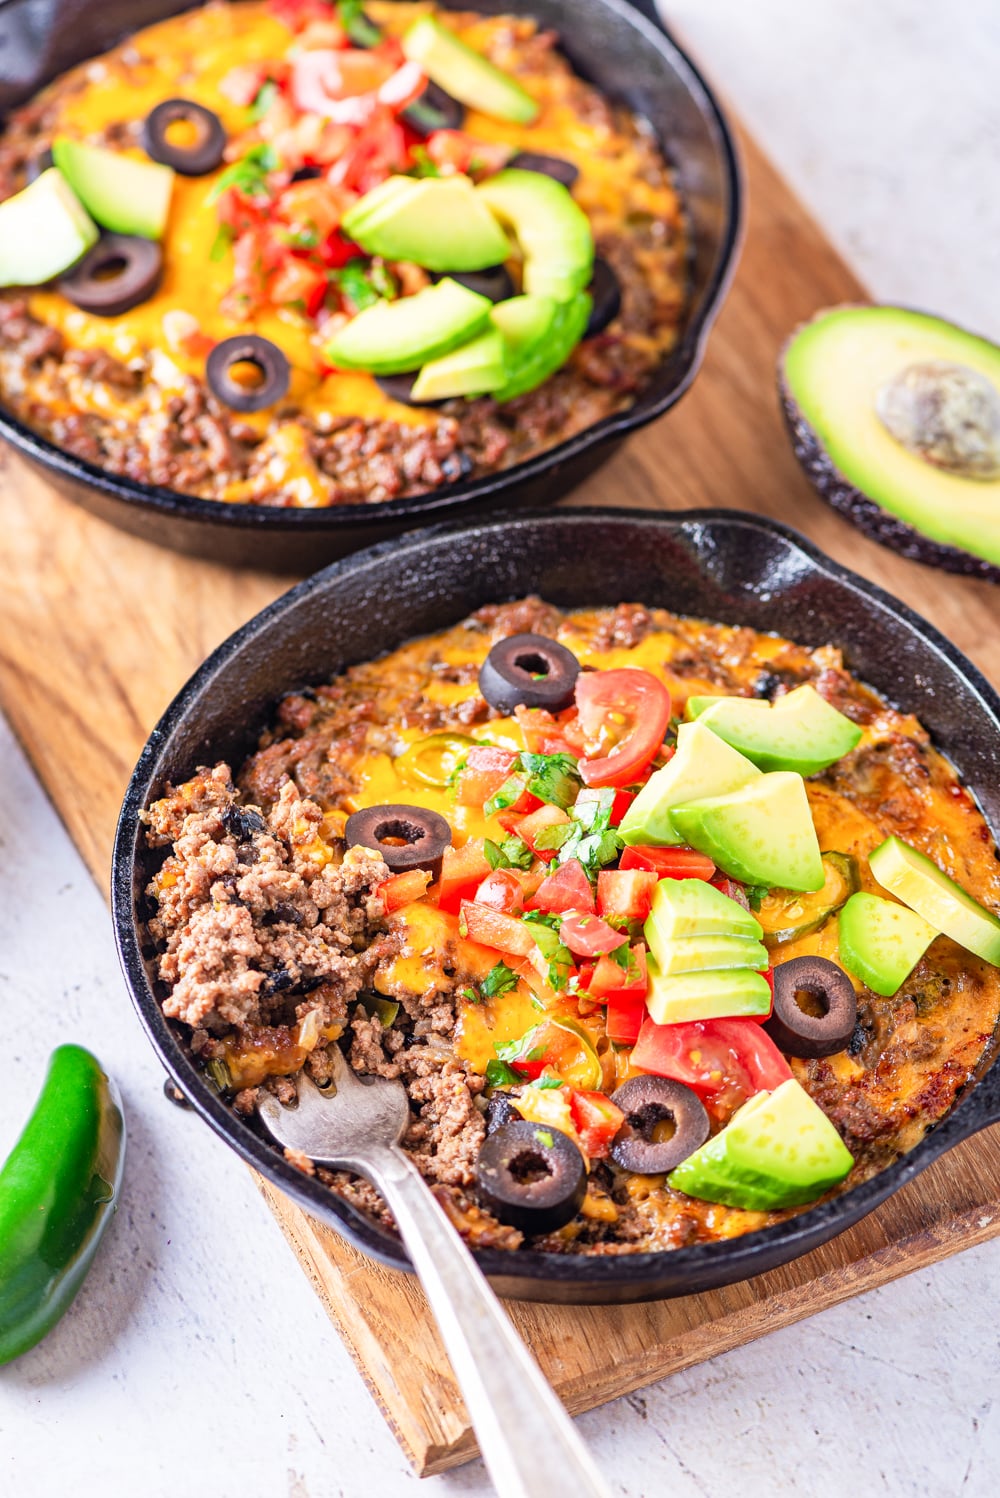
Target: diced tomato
{"points": [[625, 893], [624, 1017], [296, 14], [450, 148], [567, 889], [494, 929], [624, 714], [501, 890], [403, 889], [311, 209], [669, 863], [484, 772], [597, 1121], [620, 805], [462, 871], [379, 150], [529, 828], [335, 250], [298, 282], [726, 1060], [609, 979], [587, 935], [733, 888]]}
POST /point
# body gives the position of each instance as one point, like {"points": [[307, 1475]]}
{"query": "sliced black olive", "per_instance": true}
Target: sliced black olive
{"points": [[496, 282], [500, 1110], [121, 271], [646, 1102], [549, 166], [399, 387], [815, 1008], [206, 151], [607, 298], [434, 110], [307, 174], [408, 837], [531, 670], [39, 164], [268, 364], [531, 1177]]}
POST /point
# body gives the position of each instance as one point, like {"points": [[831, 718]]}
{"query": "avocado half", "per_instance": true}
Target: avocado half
{"points": [[830, 374]]}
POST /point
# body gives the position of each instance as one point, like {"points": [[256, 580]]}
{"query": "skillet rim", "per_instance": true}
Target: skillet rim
{"points": [[576, 1277]]}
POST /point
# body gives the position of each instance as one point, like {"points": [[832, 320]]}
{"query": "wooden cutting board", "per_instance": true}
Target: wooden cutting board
{"points": [[98, 630]]}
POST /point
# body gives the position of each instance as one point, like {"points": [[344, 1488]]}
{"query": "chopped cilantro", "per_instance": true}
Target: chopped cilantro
{"points": [[499, 980], [554, 836], [499, 1074], [472, 995], [513, 787], [559, 959], [622, 956], [552, 777], [512, 853], [545, 1084], [756, 893], [422, 166], [221, 242], [354, 282], [591, 838], [266, 95], [249, 174], [520, 1049]]}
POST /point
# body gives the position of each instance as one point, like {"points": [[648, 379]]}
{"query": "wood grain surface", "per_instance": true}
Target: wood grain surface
{"points": [[98, 630]]}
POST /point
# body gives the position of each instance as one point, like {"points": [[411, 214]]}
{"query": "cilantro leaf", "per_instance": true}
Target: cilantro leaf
{"points": [[513, 787], [499, 1074], [591, 838], [422, 166], [355, 282], [756, 894], [544, 1084], [520, 1049], [266, 95], [552, 777], [249, 174], [499, 980], [512, 853]]}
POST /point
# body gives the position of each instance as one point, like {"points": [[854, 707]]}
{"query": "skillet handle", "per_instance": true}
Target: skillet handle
{"points": [[528, 1442]]}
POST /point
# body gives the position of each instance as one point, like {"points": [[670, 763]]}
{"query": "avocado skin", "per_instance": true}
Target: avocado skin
{"points": [[874, 522]]}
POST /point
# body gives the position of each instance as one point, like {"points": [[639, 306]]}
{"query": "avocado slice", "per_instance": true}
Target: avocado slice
{"points": [[852, 370], [881, 942], [799, 731], [372, 202], [393, 337], [465, 73], [440, 223], [682, 908], [44, 229], [703, 765], [762, 833], [673, 1000], [475, 368], [550, 226], [779, 1150], [945, 905], [698, 954], [123, 194], [533, 359]]}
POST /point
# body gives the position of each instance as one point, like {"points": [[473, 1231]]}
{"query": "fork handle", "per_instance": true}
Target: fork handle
{"points": [[527, 1440]]}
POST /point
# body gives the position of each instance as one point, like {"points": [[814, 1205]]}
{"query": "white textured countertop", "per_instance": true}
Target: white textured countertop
{"points": [[197, 1361]]}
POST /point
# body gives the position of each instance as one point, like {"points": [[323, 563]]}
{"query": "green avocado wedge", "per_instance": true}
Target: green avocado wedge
{"points": [[394, 337], [719, 994], [761, 834], [536, 359], [703, 765], [465, 73], [475, 368], [123, 194], [916, 880], [779, 1150], [881, 942], [59, 1190], [441, 224], [682, 908], [839, 376], [551, 228], [800, 731], [44, 230]]}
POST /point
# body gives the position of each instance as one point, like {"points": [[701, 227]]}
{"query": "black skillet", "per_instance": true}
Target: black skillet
{"points": [[631, 59], [736, 568]]}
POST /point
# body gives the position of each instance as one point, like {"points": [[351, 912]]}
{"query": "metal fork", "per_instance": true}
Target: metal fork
{"points": [[527, 1440]]}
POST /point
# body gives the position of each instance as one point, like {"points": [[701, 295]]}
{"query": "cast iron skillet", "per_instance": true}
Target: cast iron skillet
{"points": [[627, 56], [714, 563]]}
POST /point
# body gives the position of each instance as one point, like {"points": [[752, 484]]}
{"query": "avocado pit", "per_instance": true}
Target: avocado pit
{"points": [[945, 413]]}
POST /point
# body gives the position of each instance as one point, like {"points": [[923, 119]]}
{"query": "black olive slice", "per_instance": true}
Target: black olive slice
{"points": [[531, 1177], [500, 1110], [549, 166], [203, 155], [647, 1101], [121, 271], [399, 387], [496, 282], [815, 1008], [265, 357], [531, 670], [606, 293], [408, 837], [307, 173], [39, 164], [434, 110]]}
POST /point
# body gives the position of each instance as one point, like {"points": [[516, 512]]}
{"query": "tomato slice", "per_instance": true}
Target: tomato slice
{"points": [[721, 1059], [502, 891], [529, 827], [626, 893], [484, 772], [624, 713], [597, 1121], [567, 889], [669, 863], [624, 1018], [609, 979], [402, 889], [587, 935], [495, 929], [462, 871]]}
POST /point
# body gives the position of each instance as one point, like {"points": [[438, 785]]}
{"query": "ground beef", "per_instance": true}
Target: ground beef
{"points": [[526, 616], [626, 626]]}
